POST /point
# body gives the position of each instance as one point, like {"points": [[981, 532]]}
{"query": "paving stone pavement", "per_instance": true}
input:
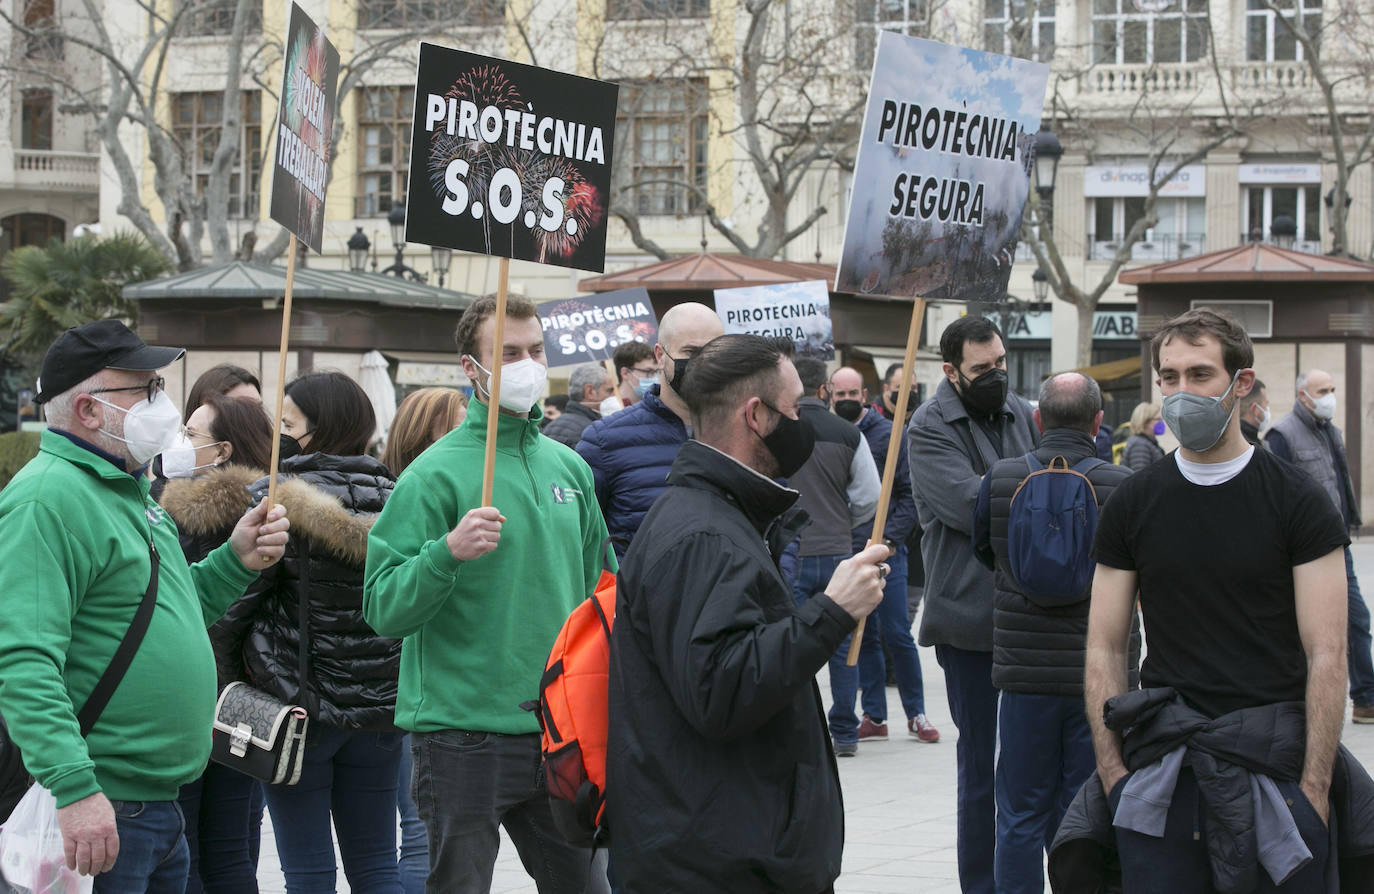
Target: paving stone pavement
{"points": [[899, 800]]}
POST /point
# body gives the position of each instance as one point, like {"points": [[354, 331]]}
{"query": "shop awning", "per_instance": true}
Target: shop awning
{"points": [[1110, 371]]}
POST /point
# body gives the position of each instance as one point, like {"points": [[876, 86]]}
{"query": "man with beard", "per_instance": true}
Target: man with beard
{"points": [[954, 438]]}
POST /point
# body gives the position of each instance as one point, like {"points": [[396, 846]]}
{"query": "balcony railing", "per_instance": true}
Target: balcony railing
{"points": [[62, 171], [1187, 78], [1187, 81], [1160, 248]]}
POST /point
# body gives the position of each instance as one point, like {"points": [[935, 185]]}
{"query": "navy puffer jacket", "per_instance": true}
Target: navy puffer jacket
{"points": [[630, 453]]}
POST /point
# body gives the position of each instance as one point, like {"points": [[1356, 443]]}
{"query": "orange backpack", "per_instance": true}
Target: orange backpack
{"points": [[572, 711]]}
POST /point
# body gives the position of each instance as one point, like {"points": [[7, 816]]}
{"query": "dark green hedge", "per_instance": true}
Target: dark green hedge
{"points": [[16, 449]]}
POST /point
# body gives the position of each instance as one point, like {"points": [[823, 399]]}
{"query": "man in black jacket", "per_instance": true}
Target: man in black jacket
{"points": [[720, 776], [588, 386], [1037, 646]]}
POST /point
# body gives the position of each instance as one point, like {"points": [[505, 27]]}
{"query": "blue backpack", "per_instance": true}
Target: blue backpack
{"points": [[1050, 531]]}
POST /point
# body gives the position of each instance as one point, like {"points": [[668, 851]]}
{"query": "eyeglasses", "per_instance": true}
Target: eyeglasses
{"points": [[151, 389], [644, 372]]}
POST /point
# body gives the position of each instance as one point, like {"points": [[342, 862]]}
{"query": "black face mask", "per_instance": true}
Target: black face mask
{"points": [[985, 394], [849, 410], [289, 447], [892, 398], [790, 442], [679, 372]]}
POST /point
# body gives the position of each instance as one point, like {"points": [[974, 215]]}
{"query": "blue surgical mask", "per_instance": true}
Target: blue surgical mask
{"points": [[645, 385]]}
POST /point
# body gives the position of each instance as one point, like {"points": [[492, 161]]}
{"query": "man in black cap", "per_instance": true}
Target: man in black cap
{"points": [[84, 545]]}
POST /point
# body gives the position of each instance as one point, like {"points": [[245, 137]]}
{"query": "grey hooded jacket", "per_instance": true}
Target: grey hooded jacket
{"points": [[949, 454]]}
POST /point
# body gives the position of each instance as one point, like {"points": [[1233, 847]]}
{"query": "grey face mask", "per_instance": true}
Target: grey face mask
{"points": [[1197, 421]]}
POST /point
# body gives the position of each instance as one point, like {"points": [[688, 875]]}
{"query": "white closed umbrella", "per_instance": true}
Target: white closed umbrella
{"points": [[379, 389]]}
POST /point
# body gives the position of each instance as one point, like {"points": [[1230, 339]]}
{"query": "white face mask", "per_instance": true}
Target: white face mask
{"points": [[150, 427], [1265, 422], [522, 383], [611, 405], [1324, 407], [179, 460]]}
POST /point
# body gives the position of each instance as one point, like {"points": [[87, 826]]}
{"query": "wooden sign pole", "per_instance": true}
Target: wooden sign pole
{"points": [[894, 445], [281, 373], [498, 343]]}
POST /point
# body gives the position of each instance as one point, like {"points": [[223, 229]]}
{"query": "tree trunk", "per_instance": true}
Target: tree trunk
{"points": [[1084, 341]]}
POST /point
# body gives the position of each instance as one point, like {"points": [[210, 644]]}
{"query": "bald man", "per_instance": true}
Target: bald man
{"points": [[631, 452], [1307, 438], [891, 621]]}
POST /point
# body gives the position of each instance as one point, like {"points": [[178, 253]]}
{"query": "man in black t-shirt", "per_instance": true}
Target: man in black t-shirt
{"points": [[1238, 559]]}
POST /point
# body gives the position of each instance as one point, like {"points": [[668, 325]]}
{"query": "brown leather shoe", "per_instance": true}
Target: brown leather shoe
{"points": [[1362, 714]]}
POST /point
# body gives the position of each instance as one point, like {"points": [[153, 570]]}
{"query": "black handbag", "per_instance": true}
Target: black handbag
{"points": [[257, 733], [14, 777]]}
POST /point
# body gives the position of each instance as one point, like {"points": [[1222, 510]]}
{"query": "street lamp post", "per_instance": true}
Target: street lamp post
{"points": [[1284, 230], [439, 260], [1040, 282], [357, 251], [397, 221], [1047, 154]]}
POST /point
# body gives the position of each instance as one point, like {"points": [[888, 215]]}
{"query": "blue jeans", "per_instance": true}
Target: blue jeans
{"points": [[469, 784], [414, 863], [973, 706], [1358, 642], [1046, 756], [152, 850], [892, 624], [813, 576], [223, 810], [349, 776]]}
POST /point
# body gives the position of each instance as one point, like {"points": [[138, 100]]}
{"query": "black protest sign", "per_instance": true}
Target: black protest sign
{"points": [[305, 120], [584, 330], [510, 160]]}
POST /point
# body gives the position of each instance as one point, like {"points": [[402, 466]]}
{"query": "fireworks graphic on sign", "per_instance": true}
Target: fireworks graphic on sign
{"points": [[583, 207]]}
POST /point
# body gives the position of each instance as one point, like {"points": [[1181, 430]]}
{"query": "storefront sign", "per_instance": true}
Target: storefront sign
{"points": [[1271, 173], [1108, 325], [1134, 180]]}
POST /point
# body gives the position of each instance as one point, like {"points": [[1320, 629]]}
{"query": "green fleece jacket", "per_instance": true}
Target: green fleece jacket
{"points": [[75, 529], [477, 634]]}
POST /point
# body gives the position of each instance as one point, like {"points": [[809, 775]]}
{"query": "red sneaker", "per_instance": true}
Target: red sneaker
{"points": [[921, 729], [872, 732]]}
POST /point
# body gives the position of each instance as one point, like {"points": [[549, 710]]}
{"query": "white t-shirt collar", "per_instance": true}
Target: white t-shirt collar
{"points": [[1212, 474]]}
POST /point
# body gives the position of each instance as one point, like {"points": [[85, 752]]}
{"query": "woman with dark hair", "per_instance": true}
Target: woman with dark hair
{"points": [[347, 680], [226, 379], [223, 448]]}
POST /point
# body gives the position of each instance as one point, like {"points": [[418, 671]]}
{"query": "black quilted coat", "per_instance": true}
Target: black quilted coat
{"points": [[350, 674], [1039, 648]]}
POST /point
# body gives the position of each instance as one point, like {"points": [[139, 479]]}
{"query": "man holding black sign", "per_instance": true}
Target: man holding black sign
{"points": [[479, 603]]}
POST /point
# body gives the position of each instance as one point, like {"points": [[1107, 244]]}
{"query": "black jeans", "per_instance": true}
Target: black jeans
{"points": [[468, 784], [1178, 863]]}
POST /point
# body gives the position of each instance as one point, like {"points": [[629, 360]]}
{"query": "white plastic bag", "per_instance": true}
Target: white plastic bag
{"points": [[31, 856]]}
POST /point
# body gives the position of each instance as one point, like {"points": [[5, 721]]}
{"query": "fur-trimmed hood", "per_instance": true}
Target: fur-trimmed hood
{"points": [[212, 503], [322, 519]]}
